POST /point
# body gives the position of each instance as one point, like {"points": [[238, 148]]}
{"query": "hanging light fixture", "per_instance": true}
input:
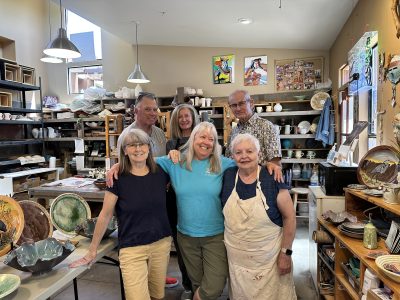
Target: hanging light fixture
{"points": [[61, 46], [47, 58], [137, 76]]}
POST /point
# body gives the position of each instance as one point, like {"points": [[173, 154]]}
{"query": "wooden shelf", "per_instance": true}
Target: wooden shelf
{"points": [[350, 290], [19, 110], [18, 122], [5, 84], [302, 160], [296, 136], [291, 113], [20, 142]]}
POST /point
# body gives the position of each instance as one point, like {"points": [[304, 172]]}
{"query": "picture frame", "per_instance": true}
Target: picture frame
{"points": [[255, 70], [298, 74], [223, 69]]}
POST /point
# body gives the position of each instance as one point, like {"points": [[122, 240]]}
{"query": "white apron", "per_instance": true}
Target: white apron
{"points": [[253, 243]]}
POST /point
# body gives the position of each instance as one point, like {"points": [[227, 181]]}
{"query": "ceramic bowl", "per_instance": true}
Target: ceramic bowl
{"points": [[100, 183], [300, 97], [389, 265], [8, 284], [86, 229], [39, 257]]}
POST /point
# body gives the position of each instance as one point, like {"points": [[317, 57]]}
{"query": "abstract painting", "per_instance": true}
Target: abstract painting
{"points": [[223, 69], [255, 70]]}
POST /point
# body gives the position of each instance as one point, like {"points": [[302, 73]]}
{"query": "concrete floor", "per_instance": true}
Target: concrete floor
{"points": [[102, 281]]}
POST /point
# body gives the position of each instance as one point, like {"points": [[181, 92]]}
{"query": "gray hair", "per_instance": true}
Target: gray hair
{"points": [[215, 158], [135, 135], [245, 137], [176, 131], [143, 95], [245, 93]]}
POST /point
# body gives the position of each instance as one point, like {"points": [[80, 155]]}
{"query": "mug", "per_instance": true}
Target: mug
{"points": [[203, 102], [290, 153], [14, 117], [311, 154], [298, 154], [6, 116], [287, 129], [278, 128], [269, 108], [259, 109]]}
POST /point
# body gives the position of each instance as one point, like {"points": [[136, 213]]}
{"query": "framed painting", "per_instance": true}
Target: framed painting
{"points": [[298, 73], [223, 67], [255, 70]]}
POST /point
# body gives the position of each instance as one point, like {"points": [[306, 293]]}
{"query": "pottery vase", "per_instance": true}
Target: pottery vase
{"points": [[138, 90], [35, 133], [277, 107]]}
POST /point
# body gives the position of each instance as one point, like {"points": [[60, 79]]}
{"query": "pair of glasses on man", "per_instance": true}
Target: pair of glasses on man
{"points": [[240, 104]]}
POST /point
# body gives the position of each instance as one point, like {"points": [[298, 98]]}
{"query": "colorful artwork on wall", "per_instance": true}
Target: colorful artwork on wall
{"points": [[255, 70], [298, 73], [223, 69]]}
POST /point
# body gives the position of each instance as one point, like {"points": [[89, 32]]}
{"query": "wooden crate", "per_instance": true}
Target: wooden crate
{"points": [[5, 99], [28, 75], [12, 72]]}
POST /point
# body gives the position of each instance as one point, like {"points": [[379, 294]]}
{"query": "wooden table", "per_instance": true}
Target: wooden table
{"points": [[44, 286], [90, 193]]}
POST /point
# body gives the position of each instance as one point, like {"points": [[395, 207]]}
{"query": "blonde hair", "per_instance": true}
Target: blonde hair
{"points": [[135, 136], [176, 131], [215, 157]]}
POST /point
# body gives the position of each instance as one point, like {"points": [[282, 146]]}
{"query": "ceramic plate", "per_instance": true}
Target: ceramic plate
{"points": [[350, 234], [373, 192], [8, 284], [67, 211], [353, 225], [37, 222], [300, 97], [304, 125], [378, 167], [376, 254], [11, 223], [318, 100], [357, 186]]}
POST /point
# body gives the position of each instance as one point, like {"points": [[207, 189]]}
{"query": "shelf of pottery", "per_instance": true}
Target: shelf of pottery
{"points": [[65, 131]]}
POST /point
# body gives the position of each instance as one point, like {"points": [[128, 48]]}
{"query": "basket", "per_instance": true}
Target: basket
{"points": [[383, 260]]}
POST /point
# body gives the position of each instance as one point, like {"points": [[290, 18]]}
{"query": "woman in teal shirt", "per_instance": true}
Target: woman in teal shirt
{"points": [[197, 181]]}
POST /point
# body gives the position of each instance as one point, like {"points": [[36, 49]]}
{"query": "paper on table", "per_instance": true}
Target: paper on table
{"points": [[71, 181], [79, 146]]}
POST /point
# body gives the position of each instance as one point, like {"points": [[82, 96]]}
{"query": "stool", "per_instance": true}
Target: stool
{"points": [[296, 191]]}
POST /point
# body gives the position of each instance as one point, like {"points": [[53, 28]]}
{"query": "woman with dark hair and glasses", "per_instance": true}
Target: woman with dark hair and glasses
{"points": [[143, 230], [146, 113]]}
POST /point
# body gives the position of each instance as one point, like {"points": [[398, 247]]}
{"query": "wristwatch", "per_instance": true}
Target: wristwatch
{"points": [[287, 251]]}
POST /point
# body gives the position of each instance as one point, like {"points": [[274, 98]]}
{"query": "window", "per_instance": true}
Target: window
{"points": [[85, 35], [81, 78]]}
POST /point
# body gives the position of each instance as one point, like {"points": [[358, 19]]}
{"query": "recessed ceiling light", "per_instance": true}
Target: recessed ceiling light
{"points": [[245, 21]]}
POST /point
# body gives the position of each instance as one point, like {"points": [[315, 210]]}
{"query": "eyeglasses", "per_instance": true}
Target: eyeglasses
{"points": [[240, 104], [136, 145]]}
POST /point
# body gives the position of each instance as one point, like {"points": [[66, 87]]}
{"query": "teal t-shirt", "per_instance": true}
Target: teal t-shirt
{"points": [[197, 196]]}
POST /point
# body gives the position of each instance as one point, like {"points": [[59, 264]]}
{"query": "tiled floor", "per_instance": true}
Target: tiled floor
{"points": [[102, 281]]}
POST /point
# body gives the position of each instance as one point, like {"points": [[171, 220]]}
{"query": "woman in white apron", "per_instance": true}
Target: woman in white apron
{"points": [[260, 225]]}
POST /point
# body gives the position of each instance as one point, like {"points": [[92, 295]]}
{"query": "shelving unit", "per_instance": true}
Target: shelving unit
{"points": [[346, 247], [16, 139]]}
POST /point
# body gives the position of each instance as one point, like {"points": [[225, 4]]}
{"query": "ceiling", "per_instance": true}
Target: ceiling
{"points": [[298, 24]]}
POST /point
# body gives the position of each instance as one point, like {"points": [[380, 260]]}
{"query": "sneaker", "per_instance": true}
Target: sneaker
{"points": [[187, 295], [171, 282]]}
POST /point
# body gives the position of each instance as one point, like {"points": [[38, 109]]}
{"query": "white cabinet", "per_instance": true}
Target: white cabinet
{"points": [[318, 203], [16, 182]]}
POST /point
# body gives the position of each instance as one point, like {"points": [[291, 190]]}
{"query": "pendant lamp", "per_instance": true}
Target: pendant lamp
{"points": [[61, 46], [137, 76], [47, 58]]}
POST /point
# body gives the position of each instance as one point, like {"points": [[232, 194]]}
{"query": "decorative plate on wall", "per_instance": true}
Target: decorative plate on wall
{"points": [[318, 100], [37, 222], [378, 167], [11, 223], [67, 211]]}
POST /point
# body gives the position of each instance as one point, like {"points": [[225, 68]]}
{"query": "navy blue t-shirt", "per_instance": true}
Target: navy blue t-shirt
{"points": [[269, 186], [141, 208]]}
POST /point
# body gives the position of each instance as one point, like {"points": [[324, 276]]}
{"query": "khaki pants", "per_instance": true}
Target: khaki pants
{"points": [[206, 263], [144, 269]]}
